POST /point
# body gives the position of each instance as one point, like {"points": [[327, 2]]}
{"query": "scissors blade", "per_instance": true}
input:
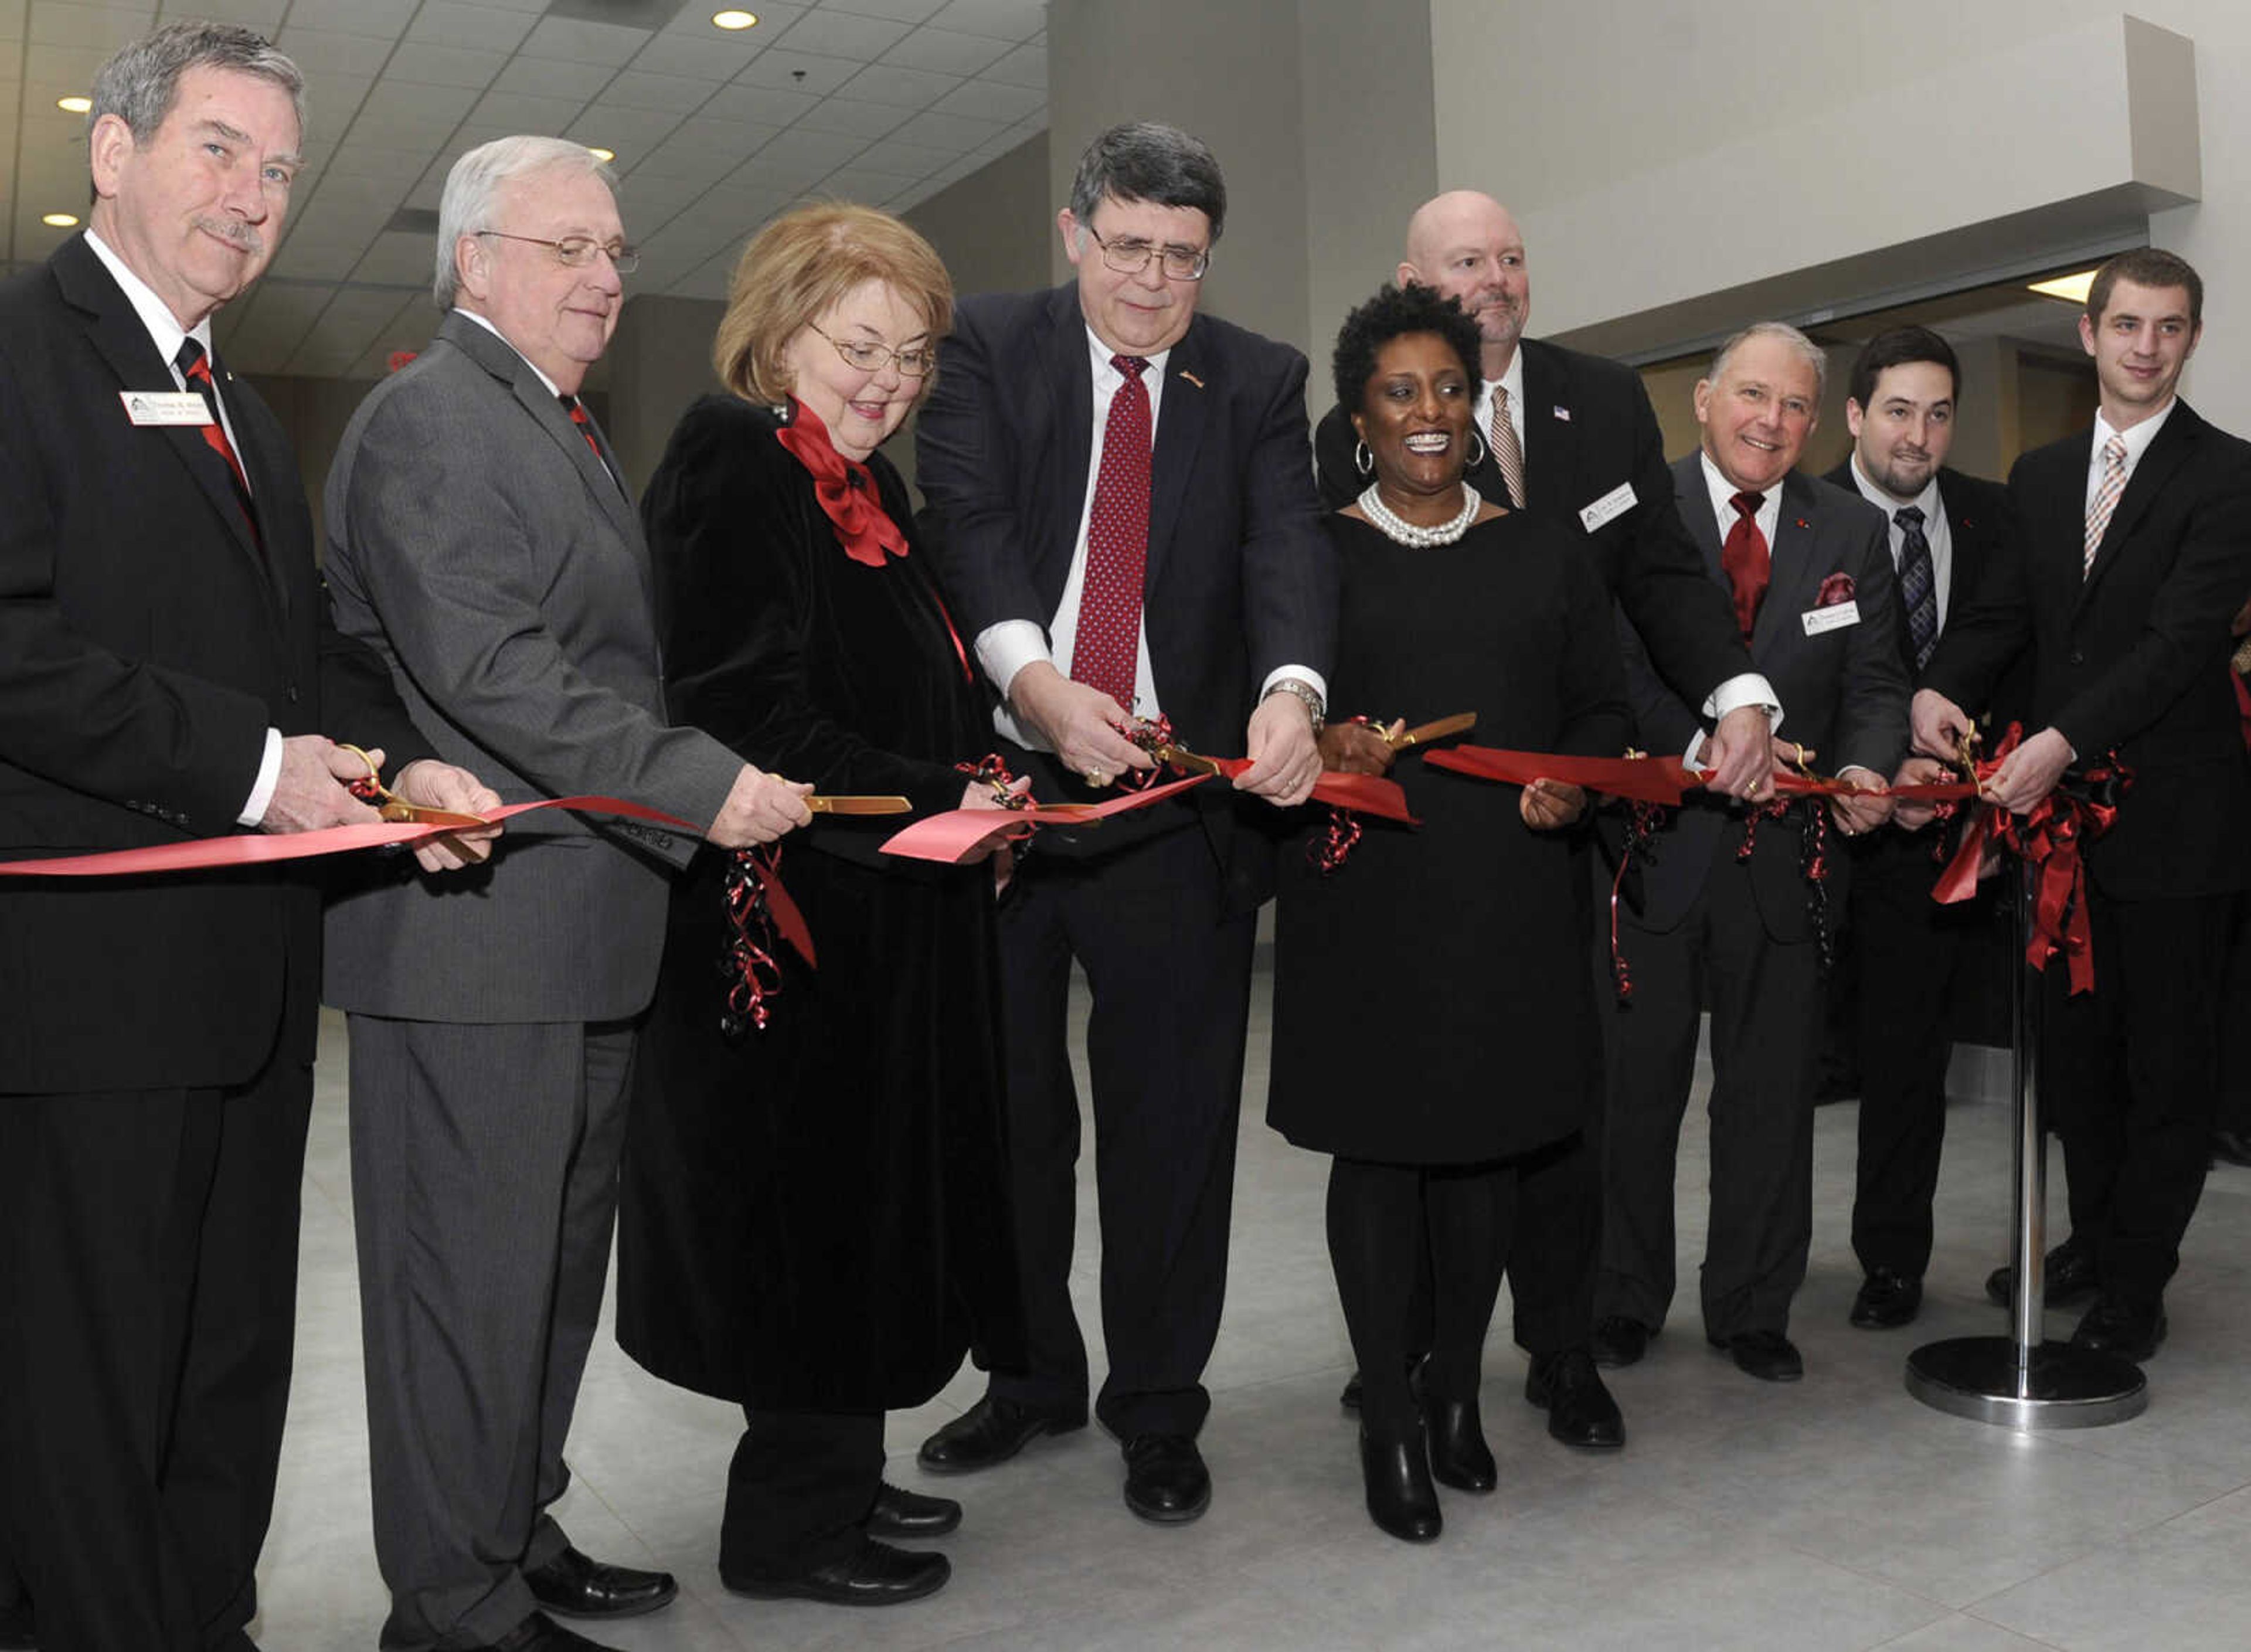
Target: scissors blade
{"points": [[405, 813], [1180, 757], [1434, 731], [870, 803]]}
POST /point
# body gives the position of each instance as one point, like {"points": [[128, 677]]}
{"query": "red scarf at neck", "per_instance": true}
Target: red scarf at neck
{"points": [[845, 488]]}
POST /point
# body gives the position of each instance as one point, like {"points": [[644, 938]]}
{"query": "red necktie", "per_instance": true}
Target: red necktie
{"points": [[1743, 558], [1107, 648], [578, 412], [196, 371]]}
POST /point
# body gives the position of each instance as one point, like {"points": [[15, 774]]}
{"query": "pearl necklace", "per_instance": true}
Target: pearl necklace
{"points": [[1393, 526]]}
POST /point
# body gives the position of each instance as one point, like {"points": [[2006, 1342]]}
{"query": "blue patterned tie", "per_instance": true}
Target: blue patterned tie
{"points": [[1918, 585]]}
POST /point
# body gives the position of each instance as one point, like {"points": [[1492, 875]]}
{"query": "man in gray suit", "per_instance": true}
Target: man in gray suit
{"points": [[481, 538], [1727, 902]]}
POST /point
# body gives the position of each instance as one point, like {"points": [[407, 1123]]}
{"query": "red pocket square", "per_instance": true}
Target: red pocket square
{"points": [[1837, 588]]}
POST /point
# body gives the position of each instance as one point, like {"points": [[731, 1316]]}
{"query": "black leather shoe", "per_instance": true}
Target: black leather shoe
{"points": [[2230, 1147], [1580, 1410], [1396, 1470], [1619, 1341], [991, 1431], [1166, 1479], [540, 1633], [17, 1632], [908, 1514], [1459, 1456], [2116, 1326], [1888, 1299], [1766, 1355], [876, 1574], [573, 1586], [2068, 1274]]}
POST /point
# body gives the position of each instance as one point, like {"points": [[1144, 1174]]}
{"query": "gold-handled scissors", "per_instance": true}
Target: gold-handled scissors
{"points": [[869, 804], [396, 809], [1421, 733]]}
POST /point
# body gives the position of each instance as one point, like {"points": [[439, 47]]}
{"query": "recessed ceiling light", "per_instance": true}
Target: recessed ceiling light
{"points": [[734, 19], [2071, 288], [75, 105], [601, 154], [61, 220]]}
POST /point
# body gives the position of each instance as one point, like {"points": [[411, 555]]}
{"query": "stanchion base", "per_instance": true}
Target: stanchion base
{"points": [[2066, 1387]]}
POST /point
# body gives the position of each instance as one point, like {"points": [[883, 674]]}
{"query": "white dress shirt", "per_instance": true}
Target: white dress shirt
{"points": [[1007, 646], [166, 333], [2137, 439], [1935, 531]]}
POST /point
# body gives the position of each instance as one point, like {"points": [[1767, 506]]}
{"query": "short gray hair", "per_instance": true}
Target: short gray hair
{"points": [[140, 85], [476, 179], [1814, 355], [1148, 161]]}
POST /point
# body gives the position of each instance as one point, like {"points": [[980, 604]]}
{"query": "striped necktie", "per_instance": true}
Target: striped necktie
{"points": [[195, 368], [1507, 451], [2105, 500], [1918, 581]]}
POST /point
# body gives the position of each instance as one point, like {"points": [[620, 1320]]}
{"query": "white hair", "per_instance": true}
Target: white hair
{"points": [[476, 179], [1813, 355]]}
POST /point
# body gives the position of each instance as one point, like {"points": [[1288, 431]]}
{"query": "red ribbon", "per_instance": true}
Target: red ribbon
{"points": [[847, 492], [2050, 838]]}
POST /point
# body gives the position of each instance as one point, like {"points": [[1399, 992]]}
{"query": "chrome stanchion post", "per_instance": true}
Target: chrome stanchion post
{"points": [[2021, 1380]]}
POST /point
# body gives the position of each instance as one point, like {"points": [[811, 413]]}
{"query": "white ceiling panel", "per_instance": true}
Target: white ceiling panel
{"points": [[321, 53], [906, 162], [552, 77], [398, 258], [385, 18], [576, 42], [767, 104], [521, 112], [1027, 65], [483, 28], [799, 71], [265, 16], [1003, 19], [954, 132], [709, 56], [628, 132], [947, 52], [858, 183], [419, 62], [904, 11], [798, 147], [376, 196], [840, 34], [104, 27], [300, 259], [695, 20], [697, 154], [676, 94], [909, 88], [401, 167], [989, 101], [858, 120], [46, 61]]}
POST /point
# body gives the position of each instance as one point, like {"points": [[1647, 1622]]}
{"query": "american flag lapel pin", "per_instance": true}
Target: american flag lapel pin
{"points": [[1563, 414]]}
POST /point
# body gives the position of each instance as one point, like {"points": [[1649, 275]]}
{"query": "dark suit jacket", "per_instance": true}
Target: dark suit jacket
{"points": [[1587, 429], [1980, 520], [2132, 657], [1846, 689], [1240, 579], [146, 645]]}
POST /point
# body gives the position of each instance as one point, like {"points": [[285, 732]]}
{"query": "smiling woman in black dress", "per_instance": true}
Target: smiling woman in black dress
{"points": [[1433, 1002]]}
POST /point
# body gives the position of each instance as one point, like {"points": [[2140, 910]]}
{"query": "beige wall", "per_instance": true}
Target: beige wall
{"points": [[659, 362], [991, 228]]}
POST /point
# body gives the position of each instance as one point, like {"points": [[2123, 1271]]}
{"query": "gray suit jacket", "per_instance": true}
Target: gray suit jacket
{"points": [[477, 543]]}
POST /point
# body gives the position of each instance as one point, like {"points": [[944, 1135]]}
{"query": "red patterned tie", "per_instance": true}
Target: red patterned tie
{"points": [[578, 412], [1106, 649], [1743, 558], [196, 371]]}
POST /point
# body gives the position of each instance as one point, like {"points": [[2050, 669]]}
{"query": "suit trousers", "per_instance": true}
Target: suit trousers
{"points": [[147, 1306], [1766, 1001], [2129, 1080], [484, 1189], [1908, 949], [799, 1491], [1169, 971]]}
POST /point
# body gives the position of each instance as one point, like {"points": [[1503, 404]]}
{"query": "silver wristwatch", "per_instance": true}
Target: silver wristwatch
{"points": [[1315, 708]]}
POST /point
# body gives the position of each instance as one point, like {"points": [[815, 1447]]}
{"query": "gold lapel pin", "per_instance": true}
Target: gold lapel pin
{"points": [[1191, 378]]}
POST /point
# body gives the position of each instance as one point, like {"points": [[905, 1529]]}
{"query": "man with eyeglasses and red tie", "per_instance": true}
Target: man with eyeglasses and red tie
{"points": [[1120, 509], [482, 541]]}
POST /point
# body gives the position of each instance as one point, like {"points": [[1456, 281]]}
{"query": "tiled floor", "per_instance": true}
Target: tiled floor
{"points": [[1832, 1515]]}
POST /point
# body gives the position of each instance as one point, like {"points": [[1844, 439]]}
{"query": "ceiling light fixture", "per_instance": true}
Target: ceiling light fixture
{"points": [[75, 105], [61, 220], [601, 154], [2071, 289], [734, 19]]}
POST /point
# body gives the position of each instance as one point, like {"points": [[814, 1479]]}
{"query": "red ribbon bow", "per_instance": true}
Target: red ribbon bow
{"points": [[845, 488]]}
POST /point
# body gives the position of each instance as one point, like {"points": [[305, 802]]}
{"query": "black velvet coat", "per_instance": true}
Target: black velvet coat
{"points": [[815, 1217]]}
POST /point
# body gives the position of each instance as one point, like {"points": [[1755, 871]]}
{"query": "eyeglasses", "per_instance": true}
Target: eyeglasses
{"points": [[916, 361], [1131, 257], [576, 251]]}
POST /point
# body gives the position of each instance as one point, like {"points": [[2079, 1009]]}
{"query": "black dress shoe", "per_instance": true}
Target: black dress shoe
{"points": [[1888, 1299], [1619, 1341], [1396, 1470], [1166, 1479], [1580, 1410], [1459, 1456], [2068, 1275], [991, 1431], [540, 1633], [1766, 1355], [876, 1574], [908, 1514], [574, 1586], [2116, 1326], [2230, 1147]]}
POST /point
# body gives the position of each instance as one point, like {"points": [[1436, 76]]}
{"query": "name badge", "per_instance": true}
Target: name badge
{"points": [[1835, 617], [165, 406], [1609, 508]]}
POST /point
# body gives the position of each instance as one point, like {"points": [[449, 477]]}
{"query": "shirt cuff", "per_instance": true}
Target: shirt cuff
{"points": [[269, 776], [1008, 646], [1749, 689], [1862, 768], [1304, 674]]}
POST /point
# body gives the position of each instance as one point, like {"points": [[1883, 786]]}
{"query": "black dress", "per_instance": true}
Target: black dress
{"points": [[814, 1217], [1433, 1002]]}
